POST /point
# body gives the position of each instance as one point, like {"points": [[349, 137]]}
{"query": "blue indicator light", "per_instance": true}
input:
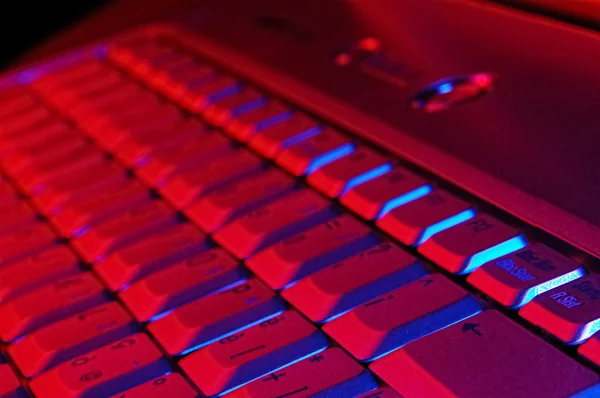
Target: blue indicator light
{"points": [[502, 249], [404, 199], [551, 284], [445, 224], [329, 157], [445, 88], [302, 136], [367, 176]]}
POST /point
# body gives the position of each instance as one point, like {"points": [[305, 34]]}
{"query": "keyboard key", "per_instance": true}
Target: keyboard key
{"points": [[180, 81], [222, 111], [591, 349], [24, 240], [36, 270], [139, 259], [7, 194], [229, 202], [179, 158], [10, 386], [125, 228], [383, 392], [252, 353], [73, 74], [377, 197], [15, 100], [182, 188], [71, 337], [386, 323], [489, 356], [109, 102], [77, 218], [177, 284], [468, 245], [515, 279], [342, 286], [15, 215], [139, 150], [274, 221], [331, 373], [105, 371], [570, 312], [309, 155], [300, 255], [200, 98], [117, 119], [250, 123], [297, 128], [48, 304], [201, 322], [22, 121], [170, 385], [336, 178]]}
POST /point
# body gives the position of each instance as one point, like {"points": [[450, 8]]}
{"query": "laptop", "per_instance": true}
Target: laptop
{"points": [[373, 199]]}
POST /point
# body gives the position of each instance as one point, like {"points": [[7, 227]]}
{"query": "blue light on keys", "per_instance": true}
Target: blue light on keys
{"points": [[369, 175], [404, 199], [329, 157], [223, 93], [504, 248], [283, 116], [445, 88], [248, 106], [447, 223], [311, 132], [551, 284]]}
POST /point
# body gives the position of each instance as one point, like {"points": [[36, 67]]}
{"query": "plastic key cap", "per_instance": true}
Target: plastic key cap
{"points": [[331, 373], [182, 188], [340, 287], [207, 319], [250, 123], [470, 244], [222, 86], [10, 386], [378, 196], [515, 279], [48, 304], [177, 284], [297, 128], [105, 371], [7, 194], [170, 385], [302, 254], [252, 353], [124, 228], [228, 202], [489, 356], [179, 158], [36, 270], [151, 254], [76, 218], [420, 219], [306, 156], [570, 312], [337, 177], [71, 337], [222, 111], [384, 392], [272, 222], [386, 323], [17, 214], [25, 240], [591, 349]]}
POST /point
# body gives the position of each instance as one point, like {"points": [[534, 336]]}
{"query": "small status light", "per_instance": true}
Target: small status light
{"points": [[369, 44]]}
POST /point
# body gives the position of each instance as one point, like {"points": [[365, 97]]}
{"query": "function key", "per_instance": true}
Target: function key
{"points": [[307, 156], [180, 283], [228, 108], [297, 256], [341, 175], [515, 279], [487, 355], [71, 337], [470, 244], [169, 385], [201, 322], [570, 312], [218, 88], [105, 371], [386, 323], [297, 128], [340, 287], [250, 123], [378, 196], [420, 219], [329, 373], [253, 352]]}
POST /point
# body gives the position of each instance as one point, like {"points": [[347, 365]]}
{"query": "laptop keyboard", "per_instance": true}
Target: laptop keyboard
{"points": [[170, 229]]}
